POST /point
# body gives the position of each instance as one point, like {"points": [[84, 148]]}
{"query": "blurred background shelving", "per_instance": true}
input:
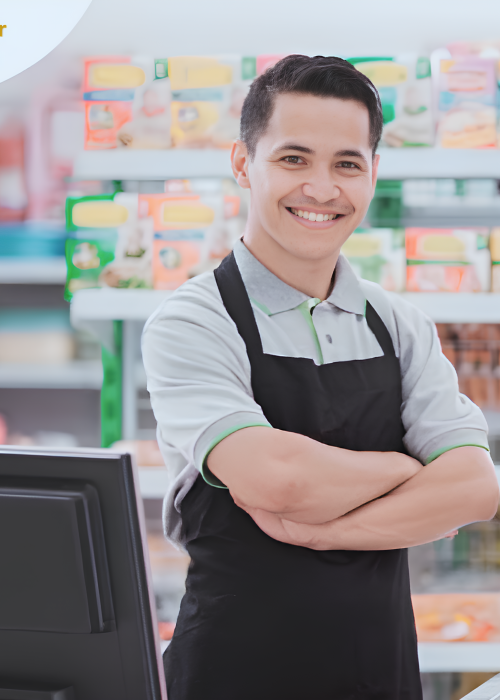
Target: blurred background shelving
{"points": [[89, 388]]}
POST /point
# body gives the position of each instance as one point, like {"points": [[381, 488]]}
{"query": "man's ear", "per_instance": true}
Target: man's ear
{"points": [[239, 162], [375, 162]]}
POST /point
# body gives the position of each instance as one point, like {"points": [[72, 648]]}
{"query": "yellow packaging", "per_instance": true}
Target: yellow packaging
{"points": [[495, 259]]}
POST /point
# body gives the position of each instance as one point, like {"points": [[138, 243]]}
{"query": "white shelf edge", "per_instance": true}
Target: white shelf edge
{"points": [[445, 307], [78, 374], [32, 270], [115, 304], [125, 164], [462, 164], [138, 305], [395, 164], [437, 657]]}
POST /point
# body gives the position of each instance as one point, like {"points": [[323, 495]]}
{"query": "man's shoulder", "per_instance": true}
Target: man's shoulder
{"points": [[392, 306], [408, 326], [195, 301]]}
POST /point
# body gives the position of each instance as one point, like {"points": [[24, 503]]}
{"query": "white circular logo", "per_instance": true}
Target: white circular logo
{"points": [[30, 29]]}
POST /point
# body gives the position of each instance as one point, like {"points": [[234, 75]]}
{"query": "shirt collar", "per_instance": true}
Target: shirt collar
{"points": [[274, 296]]}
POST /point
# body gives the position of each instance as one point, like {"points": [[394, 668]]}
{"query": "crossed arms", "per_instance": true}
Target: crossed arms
{"points": [[305, 493]]}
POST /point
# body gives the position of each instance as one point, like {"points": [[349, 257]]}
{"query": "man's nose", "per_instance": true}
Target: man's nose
{"points": [[321, 187]]}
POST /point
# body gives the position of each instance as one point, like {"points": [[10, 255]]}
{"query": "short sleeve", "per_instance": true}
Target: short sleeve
{"points": [[198, 373], [435, 415]]}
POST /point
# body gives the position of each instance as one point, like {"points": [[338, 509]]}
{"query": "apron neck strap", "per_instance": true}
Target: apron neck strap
{"points": [[235, 299], [379, 330]]}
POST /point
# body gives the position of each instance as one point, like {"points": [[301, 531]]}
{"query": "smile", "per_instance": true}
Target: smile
{"points": [[312, 216]]}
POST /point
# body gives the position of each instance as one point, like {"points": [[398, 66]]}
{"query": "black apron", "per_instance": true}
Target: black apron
{"points": [[264, 620]]}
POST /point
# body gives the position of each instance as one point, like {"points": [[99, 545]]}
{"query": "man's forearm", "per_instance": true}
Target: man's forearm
{"points": [[302, 479], [457, 488]]}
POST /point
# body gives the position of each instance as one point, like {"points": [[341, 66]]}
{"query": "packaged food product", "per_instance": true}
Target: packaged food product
{"points": [[13, 196], [473, 348], [447, 260], [109, 245], [181, 224], [457, 617], [495, 259], [467, 103], [207, 97], [36, 336], [378, 255], [188, 233], [127, 103], [405, 89]]}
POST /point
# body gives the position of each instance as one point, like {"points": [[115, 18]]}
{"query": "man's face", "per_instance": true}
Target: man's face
{"points": [[313, 175]]}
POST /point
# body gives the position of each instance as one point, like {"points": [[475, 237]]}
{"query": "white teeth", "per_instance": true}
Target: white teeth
{"points": [[311, 216]]}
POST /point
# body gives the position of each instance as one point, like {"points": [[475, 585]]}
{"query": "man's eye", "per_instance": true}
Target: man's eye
{"points": [[294, 160], [349, 165]]}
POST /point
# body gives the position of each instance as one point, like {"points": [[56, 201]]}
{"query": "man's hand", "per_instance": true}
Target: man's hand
{"points": [[457, 488], [301, 479]]}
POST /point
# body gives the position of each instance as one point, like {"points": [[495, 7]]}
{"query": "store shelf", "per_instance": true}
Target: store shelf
{"points": [[115, 304], [123, 164], [395, 164], [457, 308], [32, 270], [139, 304], [461, 164], [458, 656], [79, 374], [451, 217]]}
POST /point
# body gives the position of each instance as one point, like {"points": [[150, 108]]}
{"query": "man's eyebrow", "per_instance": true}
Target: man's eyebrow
{"points": [[293, 147], [351, 154]]}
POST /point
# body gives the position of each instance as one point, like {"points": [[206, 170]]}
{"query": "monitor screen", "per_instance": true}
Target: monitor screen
{"points": [[77, 618]]}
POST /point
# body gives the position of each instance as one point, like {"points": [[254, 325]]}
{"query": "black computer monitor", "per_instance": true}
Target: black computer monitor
{"points": [[77, 617]]}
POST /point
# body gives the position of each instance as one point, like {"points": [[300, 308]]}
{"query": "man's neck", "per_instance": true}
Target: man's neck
{"points": [[312, 277]]}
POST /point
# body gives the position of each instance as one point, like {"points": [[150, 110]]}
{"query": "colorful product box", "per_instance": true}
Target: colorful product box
{"points": [[189, 233], [176, 257], [180, 223], [207, 97], [495, 259], [467, 103], [405, 89], [108, 245], [447, 260], [127, 104], [378, 255]]}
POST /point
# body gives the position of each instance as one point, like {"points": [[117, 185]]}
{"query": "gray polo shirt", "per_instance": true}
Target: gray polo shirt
{"points": [[199, 373]]}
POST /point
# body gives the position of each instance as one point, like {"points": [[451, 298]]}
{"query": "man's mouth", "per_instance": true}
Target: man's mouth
{"points": [[313, 216]]}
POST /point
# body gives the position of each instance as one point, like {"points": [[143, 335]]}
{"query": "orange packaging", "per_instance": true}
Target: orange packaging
{"points": [[177, 211], [174, 261], [447, 260], [457, 617], [103, 121]]}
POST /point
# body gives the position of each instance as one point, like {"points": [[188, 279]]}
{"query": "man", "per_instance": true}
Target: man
{"points": [[296, 405]]}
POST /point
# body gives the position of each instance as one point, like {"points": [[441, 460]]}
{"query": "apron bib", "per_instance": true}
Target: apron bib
{"points": [[264, 620]]}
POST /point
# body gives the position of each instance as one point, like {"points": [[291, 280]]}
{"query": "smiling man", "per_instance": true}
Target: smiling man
{"points": [[296, 407]]}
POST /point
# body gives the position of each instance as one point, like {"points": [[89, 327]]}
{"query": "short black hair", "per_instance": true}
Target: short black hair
{"points": [[323, 76]]}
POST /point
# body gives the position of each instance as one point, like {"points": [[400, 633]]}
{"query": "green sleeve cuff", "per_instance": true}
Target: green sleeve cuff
{"points": [[437, 453], [210, 478]]}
